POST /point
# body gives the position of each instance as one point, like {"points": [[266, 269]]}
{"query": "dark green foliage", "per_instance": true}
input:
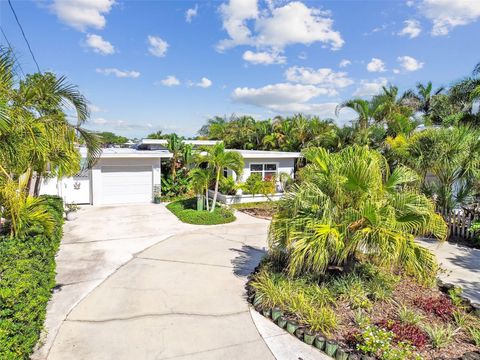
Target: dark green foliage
{"points": [[109, 138], [27, 277], [186, 211], [173, 188]]}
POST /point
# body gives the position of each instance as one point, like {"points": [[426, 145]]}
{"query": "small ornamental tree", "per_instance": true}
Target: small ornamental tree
{"points": [[350, 208]]}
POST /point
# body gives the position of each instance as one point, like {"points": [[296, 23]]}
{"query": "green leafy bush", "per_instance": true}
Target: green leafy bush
{"points": [[227, 185], [311, 304], [27, 277], [186, 211]]}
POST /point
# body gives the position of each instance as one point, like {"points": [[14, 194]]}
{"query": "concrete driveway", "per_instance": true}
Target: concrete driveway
{"points": [[138, 284]]}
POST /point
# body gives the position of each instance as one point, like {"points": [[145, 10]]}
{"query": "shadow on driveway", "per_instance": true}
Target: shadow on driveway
{"points": [[247, 259]]}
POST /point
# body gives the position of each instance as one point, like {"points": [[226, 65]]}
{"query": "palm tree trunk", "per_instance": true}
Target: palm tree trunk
{"points": [[38, 182], [206, 198], [216, 190]]}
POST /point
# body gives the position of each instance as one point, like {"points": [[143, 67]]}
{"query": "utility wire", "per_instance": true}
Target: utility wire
{"points": [[13, 52], [23, 33]]}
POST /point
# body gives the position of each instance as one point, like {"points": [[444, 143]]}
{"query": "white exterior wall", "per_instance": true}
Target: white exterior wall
{"points": [[243, 199], [96, 174], [283, 166], [71, 190]]}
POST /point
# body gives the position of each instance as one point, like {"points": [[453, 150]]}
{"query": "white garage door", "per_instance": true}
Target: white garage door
{"points": [[126, 184]]}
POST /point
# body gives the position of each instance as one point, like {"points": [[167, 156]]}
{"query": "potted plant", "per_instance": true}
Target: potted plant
{"points": [[70, 212], [157, 198]]}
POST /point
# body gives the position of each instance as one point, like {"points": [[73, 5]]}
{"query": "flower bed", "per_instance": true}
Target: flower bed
{"points": [[368, 314]]}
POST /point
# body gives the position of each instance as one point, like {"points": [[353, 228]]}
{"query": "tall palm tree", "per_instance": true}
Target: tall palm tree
{"points": [[42, 136], [218, 159], [350, 208], [364, 109]]}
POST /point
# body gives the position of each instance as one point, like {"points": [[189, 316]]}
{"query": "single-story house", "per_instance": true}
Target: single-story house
{"points": [[133, 175]]}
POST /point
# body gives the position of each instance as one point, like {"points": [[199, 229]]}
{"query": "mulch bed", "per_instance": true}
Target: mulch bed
{"points": [[412, 295], [261, 213]]}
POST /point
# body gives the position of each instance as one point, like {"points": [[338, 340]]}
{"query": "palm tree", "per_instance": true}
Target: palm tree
{"points": [[364, 109], [423, 98], [41, 135], [176, 147], [200, 180], [350, 208], [451, 156], [218, 159]]}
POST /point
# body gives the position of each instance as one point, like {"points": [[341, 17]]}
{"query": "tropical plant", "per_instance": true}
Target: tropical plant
{"points": [[365, 110], [200, 181], [441, 335], [176, 147], [448, 162], [351, 208], [218, 159]]}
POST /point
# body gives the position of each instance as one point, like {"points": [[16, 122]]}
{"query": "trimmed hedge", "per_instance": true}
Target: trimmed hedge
{"points": [[186, 211], [27, 277]]}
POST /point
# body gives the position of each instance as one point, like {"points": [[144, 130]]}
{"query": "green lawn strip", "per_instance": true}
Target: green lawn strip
{"points": [[186, 211]]}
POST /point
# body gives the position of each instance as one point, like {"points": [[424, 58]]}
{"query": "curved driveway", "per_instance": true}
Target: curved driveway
{"points": [[182, 297]]}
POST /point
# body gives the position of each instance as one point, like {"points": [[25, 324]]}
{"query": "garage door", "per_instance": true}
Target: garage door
{"points": [[126, 184]]}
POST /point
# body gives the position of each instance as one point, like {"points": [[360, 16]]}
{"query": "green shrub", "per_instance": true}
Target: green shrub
{"points": [[227, 185], [27, 277], [186, 211], [440, 335], [310, 303], [475, 335]]}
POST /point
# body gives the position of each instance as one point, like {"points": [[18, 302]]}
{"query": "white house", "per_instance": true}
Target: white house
{"points": [[133, 175]]}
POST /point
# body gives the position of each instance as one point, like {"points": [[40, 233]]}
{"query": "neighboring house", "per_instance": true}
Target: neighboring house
{"points": [[133, 175]]}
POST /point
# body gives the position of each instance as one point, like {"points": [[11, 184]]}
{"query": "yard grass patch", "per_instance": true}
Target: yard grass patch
{"points": [[186, 211]]}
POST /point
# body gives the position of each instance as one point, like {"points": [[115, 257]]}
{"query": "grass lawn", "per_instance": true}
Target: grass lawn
{"points": [[186, 211]]}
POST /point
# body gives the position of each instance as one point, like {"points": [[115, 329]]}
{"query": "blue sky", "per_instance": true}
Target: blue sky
{"points": [[170, 65]]}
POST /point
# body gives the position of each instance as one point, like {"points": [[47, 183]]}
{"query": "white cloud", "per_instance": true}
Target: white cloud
{"points": [[412, 29], [191, 13], [82, 14], [99, 45], [94, 108], [282, 97], [170, 80], [263, 57], [447, 14], [344, 63], [370, 87], [203, 83], [409, 63], [323, 76], [276, 27], [119, 73], [119, 124], [376, 65], [158, 47]]}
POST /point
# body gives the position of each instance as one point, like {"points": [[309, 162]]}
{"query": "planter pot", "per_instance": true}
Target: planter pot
{"points": [[72, 215], [319, 342], [299, 333], [354, 356], [331, 348], [292, 326], [267, 313], [282, 322], [309, 338], [276, 313], [341, 355], [257, 300]]}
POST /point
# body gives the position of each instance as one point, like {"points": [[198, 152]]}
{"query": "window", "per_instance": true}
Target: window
{"points": [[267, 171]]}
